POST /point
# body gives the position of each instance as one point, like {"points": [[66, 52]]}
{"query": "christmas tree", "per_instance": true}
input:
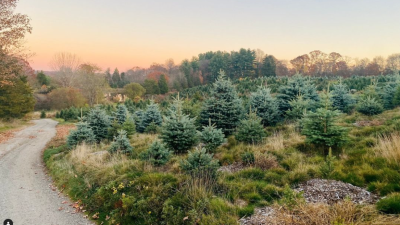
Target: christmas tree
{"points": [[178, 130], [265, 106], [121, 144], [83, 133], [224, 107], [152, 114], [211, 137], [251, 130], [99, 122], [157, 154]]}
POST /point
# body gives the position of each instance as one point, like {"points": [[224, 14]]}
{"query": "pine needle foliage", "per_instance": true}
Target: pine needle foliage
{"points": [[199, 163], [265, 106], [211, 137], [320, 129], [121, 114], [178, 131], [224, 107], [152, 114], [157, 154], [369, 106], [341, 98], [83, 134], [250, 130], [121, 144], [99, 122]]}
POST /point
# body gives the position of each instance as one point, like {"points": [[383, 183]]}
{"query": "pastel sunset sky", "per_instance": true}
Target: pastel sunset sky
{"points": [[128, 33]]}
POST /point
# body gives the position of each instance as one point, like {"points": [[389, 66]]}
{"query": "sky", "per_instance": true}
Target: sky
{"points": [[130, 33]]}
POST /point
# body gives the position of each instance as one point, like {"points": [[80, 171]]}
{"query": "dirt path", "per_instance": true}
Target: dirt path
{"points": [[25, 193]]}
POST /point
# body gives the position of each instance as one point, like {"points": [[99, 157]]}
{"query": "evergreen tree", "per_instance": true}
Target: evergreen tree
{"points": [[369, 106], [296, 86], [43, 79], [42, 114], [162, 84], [121, 144], [157, 154], [341, 98], [320, 129], [224, 107], [211, 137], [121, 114], [129, 126], [178, 130], [83, 133], [388, 93], [298, 108], [396, 97], [265, 106], [250, 130], [200, 163], [152, 114], [116, 79], [113, 130], [269, 66], [99, 122]]}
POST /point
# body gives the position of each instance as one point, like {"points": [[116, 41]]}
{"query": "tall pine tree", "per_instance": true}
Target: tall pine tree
{"points": [[162, 84], [224, 107]]}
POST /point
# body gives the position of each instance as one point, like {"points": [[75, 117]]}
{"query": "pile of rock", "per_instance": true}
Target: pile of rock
{"points": [[332, 191], [259, 217]]}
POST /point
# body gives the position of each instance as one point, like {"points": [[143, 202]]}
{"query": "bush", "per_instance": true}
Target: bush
{"points": [[82, 134], [390, 204], [250, 130], [121, 144], [248, 158], [341, 98], [369, 106], [211, 137], [42, 114], [199, 162], [157, 154]]}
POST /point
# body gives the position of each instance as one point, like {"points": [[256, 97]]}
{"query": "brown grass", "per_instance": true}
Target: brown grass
{"points": [[389, 147], [283, 139], [342, 213]]}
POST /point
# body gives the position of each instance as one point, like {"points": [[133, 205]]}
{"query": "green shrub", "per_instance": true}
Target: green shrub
{"points": [[42, 114], [121, 144], [250, 130], [390, 204], [211, 137], [199, 162], [83, 133], [252, 197], [248, 158], [152, 128], [157, 154], [369, 106]]}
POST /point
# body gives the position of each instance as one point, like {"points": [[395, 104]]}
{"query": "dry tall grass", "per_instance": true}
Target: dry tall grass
{"points": [[342, 213], [98, 165], [389, 147], [283, 139]]}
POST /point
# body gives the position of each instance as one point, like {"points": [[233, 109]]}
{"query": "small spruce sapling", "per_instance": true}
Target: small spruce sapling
{"points": [[250, 130], [83, 133], [99, 122], [200, 163], [121, 144], [178, 131], [369, 106], [157, 154], [211, 137], [121, 114], [266, 107], [152, 114]]}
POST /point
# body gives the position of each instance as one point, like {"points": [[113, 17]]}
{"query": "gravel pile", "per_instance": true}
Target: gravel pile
{"points": [[259, 217], [331, 191]]}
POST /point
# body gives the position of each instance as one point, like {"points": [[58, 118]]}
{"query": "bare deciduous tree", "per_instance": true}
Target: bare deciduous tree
{"points": [[90, 82], [66, 65]]}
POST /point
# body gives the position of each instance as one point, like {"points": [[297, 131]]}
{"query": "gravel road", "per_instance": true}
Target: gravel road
{"points": [[26, 194]]}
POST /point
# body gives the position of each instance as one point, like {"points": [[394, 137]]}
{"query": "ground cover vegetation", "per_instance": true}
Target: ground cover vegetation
{"points": [[187, 162]]}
